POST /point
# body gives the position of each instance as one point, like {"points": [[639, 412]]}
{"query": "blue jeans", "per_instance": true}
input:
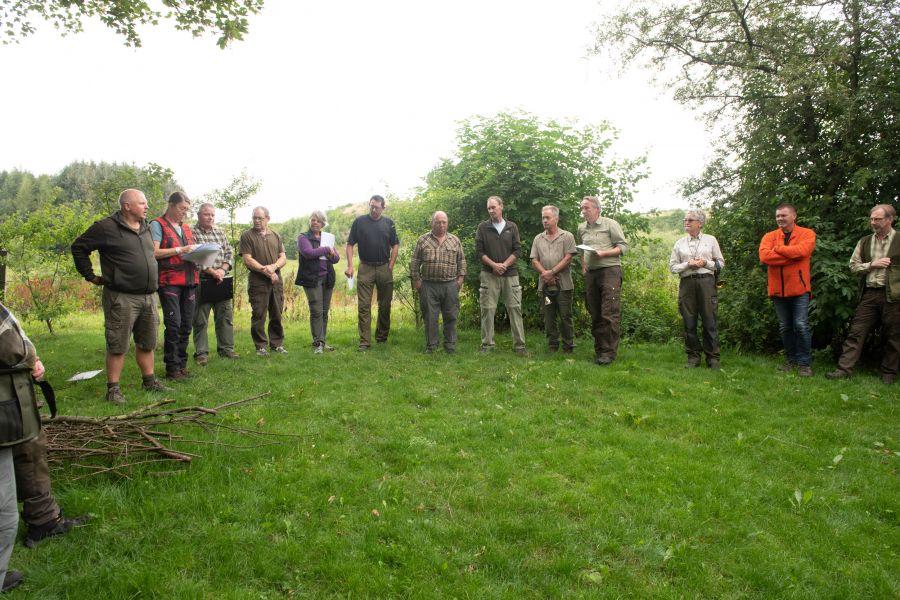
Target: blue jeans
{"points": [[793, 317]]}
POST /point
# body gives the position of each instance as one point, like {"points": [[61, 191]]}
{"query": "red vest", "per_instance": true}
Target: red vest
{"points": [[175, 270]]}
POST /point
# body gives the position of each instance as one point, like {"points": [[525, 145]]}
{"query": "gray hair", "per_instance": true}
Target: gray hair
{"points": [[697, 214], [262, 208], [889, 211], [320, 216], [593, 200], [206, 205], [553, 209]]}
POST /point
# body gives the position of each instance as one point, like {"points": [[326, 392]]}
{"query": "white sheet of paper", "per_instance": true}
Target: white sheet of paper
{"points": [[84, 375], [327, 240], [204, 255], [585, 247]]}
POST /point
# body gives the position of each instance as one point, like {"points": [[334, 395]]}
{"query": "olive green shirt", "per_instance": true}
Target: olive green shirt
{"points": [[605, 234], [549, 252]]}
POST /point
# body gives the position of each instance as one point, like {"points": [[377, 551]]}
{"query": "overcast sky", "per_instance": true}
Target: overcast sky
{"points": [[329, 102]]}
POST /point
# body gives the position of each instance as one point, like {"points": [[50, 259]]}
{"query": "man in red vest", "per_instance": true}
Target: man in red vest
{"points": [[178, 281]]}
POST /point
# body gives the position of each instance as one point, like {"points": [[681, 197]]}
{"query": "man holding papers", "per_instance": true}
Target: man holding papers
{"points": [[602, 246], [216, 290]]}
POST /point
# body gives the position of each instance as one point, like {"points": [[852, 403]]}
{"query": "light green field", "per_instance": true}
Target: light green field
{"points": [[487, 476]]}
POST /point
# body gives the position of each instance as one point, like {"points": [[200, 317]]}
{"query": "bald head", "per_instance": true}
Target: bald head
{"points": [[133, 204], [439, 224]]}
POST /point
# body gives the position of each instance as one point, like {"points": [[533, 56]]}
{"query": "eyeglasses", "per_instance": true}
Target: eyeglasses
{"points": [[690, 220]]}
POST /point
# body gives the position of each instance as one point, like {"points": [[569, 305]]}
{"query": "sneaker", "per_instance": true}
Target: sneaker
{"points": [[429, 350], [115, 396], [363, 348], [692, 362], [230, 354], [186, 372], [202, 360], [12, 579], [487, 348], [450, 350], [262, 352], [786, 367], [59, 526], [327, 348], [714, 365], [603, 361], [318, 350], [804, 371], [838, 374], [888, 379], [156, 386], [177, 375], [280, 350], [522, 352]]}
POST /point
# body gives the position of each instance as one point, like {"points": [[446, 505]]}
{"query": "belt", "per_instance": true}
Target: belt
{"points": [[698, 276], [371, 264]]}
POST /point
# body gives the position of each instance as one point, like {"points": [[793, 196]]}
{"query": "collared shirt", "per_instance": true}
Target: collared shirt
{"points": [[878, 249], [605, 234], [549, 252], [215, 236], [688, 248], [264, 248], [438, 261]]}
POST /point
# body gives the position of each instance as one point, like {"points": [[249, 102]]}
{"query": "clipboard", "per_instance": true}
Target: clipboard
{"points": [[212, 292]]}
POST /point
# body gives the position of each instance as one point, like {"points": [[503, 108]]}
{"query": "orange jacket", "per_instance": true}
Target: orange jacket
{"points": [[788, 264]]}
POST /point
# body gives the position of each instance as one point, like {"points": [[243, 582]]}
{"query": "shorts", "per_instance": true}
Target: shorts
{"points": [[125, 314]]}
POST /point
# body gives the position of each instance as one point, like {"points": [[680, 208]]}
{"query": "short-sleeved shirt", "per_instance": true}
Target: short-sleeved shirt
{"points": [[549, 252], [605, 234], [265, 249], [156, 231], [373, 238]]}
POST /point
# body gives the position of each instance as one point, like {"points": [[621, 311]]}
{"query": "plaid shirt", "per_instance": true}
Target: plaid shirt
{"points": [[216, 236], [438, 261]]}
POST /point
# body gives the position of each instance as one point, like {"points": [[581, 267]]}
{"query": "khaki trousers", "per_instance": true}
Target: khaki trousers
{"points": [[492, 287]]}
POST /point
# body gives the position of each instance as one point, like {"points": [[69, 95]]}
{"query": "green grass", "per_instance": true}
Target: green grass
{"points": [[492, 476]]}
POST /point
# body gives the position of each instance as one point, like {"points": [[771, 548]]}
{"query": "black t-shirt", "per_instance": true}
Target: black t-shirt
{"points": [[373, 238]]}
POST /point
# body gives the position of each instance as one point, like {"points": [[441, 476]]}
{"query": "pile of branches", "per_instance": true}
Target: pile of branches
{"points": [[124, 441]]}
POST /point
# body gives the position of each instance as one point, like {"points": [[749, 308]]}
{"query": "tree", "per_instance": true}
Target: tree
{"points": [[233, 197], [38, 244], [227, 18], [806, 96], [529, 163]]}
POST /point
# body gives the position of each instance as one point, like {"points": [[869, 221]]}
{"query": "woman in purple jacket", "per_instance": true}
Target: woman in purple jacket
{"points": [[316, 274]]}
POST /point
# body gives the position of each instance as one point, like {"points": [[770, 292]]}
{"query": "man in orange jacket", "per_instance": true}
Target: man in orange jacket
{"points": [[786, 251]]}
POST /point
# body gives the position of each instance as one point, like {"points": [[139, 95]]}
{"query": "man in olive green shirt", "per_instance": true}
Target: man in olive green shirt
{"points": [[602, 271]]}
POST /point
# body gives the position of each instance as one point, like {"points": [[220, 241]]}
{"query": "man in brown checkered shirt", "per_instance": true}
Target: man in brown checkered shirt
{"points": [[438, 269]]}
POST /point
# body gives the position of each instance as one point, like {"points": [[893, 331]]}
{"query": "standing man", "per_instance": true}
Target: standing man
{"points": [[602, 270], [438, 269], [214, 275], [378, 246], [695, 259], [129, 277], [876, 259], [263, 254], [551, 257], [178, 280], [498, 247], [787, 251]]}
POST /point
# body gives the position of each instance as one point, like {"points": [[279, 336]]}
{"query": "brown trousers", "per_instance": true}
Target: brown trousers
{"points": [[33, 481], [872, 308], [266, 298], [603, 296]]}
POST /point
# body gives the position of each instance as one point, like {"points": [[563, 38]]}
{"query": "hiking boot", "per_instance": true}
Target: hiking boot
{"points": [[888, 379], [59, 526], [487, 348], [603, 361], [838, 374], [280, 350], [804, 371], [12, 579], [522, 352], [202, 360], [363, 348], [692, 362], [156, 386], [177, 375], [229, 354], [187, 374], [786, 367], [714, 364], [115, 396], [262, 352]]}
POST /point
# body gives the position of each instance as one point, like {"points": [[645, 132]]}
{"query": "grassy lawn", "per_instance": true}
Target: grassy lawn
{"points": [[488, 476]]}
